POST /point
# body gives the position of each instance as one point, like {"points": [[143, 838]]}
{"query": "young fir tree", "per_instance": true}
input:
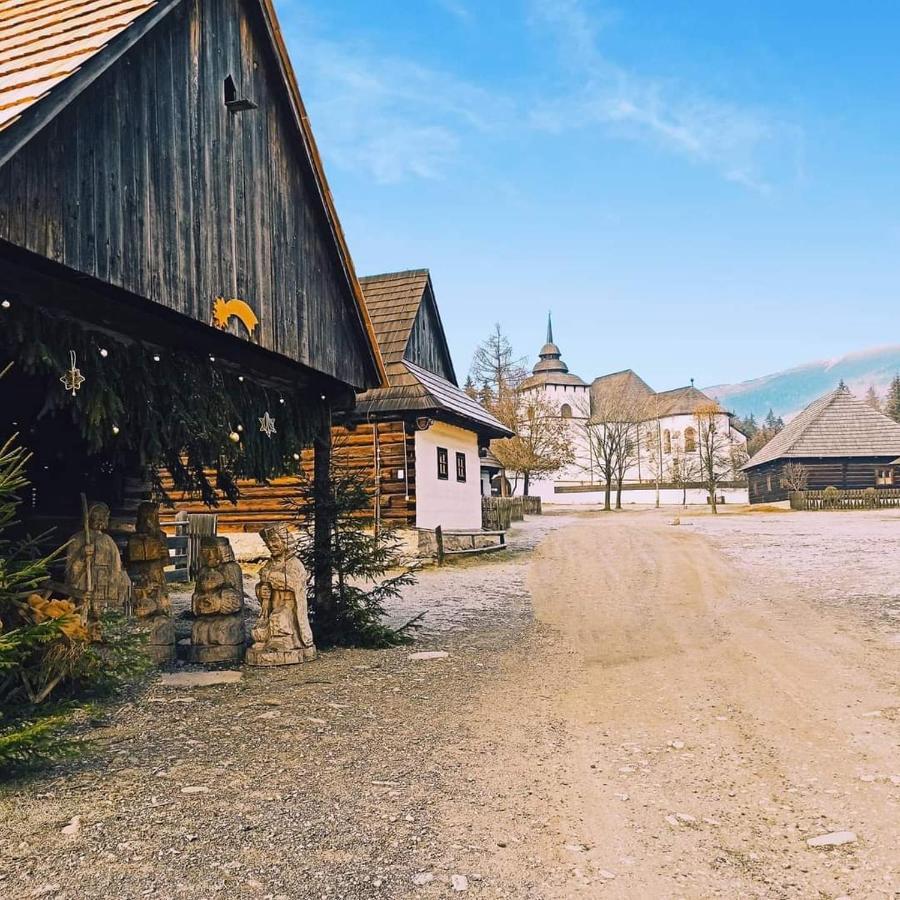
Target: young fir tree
{"points": [[872, 399], [46, 663], [892, 401], [366, 561]]}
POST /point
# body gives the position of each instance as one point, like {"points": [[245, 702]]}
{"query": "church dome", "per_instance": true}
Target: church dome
{"points": [[550, 368]]}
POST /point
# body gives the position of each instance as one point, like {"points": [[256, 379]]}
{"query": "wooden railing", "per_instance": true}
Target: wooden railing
{"points": [[497, 513], [870, 498]]}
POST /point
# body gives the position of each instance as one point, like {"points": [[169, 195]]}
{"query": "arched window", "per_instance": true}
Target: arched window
{"points": [[565, 411], [667, 441], [690, 440]]}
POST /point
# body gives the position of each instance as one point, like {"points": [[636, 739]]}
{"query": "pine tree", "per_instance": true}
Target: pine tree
{"points": [[872, 399], [892, 401], [366, 560]]}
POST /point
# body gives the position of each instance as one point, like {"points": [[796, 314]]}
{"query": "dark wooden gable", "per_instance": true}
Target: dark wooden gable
{"points": [[427, 344], [146, 181]]}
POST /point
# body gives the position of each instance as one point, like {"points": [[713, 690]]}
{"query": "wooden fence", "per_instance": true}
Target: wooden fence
{"points": [[497, 513], [834, 498]]}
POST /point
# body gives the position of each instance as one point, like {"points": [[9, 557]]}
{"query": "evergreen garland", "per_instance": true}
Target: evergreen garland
{"points": [[177, 412]]}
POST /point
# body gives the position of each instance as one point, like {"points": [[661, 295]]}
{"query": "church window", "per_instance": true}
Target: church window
{"points": [[565, 411], [667, 441], [690, 440], [443, 461]]}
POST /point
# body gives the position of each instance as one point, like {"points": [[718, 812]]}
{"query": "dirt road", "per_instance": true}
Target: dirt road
{"points": [[630, 710], [681, 728]]}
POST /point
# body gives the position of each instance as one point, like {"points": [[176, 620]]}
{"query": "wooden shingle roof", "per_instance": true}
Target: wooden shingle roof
{"points": [[837, 425], [416, 390], [43, 42], [682, 401], [393, 301]]}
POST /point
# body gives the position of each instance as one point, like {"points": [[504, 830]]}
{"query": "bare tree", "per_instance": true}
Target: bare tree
{"points": [[683, 468], [794, 477], [612, 434], [496, 370], [543, 439], [714, 448]]}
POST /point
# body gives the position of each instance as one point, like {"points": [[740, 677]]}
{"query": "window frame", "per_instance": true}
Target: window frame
{"points": [[884, 476], [443, 464], [461, 458], [690, 444]]}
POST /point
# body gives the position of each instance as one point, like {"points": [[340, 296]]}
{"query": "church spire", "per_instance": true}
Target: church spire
{"points": [[549, 328]]}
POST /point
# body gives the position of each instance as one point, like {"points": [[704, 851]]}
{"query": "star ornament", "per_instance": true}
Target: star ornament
{"points": [[73, 379], [267, 425]]}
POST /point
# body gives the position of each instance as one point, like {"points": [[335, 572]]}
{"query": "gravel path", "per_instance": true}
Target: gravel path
{"points": [[321, 780], [626, 709]]}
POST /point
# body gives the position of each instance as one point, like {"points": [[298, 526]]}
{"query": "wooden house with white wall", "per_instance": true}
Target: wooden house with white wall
{"points": [[421, 435]]}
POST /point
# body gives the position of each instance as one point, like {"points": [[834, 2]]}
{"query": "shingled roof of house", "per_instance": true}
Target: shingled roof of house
{"points": [[394, 302], [837, 425], [43, 42]]}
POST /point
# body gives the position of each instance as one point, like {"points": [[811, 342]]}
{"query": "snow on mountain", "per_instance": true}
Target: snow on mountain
{"points": [[790, 391]]}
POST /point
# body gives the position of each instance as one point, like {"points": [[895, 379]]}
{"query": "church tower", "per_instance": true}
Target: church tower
{"points": [[552, 377]]}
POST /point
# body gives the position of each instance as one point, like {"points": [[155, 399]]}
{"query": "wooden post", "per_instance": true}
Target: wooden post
{"points": [[323, 573], [439, 539]]}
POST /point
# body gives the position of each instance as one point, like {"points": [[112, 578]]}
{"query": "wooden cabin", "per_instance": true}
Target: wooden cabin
{"points": [[419, 439], [839, 440], [421, 435], [162, 200]]}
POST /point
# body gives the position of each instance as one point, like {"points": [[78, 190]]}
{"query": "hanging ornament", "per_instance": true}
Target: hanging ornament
{"points": [[234, 437], [73, 379], [267, 425]]}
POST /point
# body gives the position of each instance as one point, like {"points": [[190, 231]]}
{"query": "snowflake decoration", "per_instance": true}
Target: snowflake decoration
{"points": [[267, 425], [73, 379]]}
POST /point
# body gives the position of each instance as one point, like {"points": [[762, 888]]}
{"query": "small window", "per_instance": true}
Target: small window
{"points": [[565, 411], [443, 463], [690, 440], [460, 466], [884, 477], [768, 484], [667, 441]]}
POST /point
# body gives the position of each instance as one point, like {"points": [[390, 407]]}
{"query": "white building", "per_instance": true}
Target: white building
{"points": [[666, 442]]}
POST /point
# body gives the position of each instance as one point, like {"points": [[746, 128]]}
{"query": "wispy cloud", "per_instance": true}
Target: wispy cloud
{"points": [[382, 113], [457, 9], [388, 115], [732, 139]]}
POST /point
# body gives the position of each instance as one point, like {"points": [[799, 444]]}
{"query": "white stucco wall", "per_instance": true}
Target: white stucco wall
{"points": [[450, 503]]}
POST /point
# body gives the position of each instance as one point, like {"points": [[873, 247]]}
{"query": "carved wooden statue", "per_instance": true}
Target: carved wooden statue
{"points": [[94, 570], [148, 555], [282, 635], [218, 604]]}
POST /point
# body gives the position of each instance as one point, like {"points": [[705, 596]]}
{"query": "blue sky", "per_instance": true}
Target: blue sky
{"points": [[696, 189]]}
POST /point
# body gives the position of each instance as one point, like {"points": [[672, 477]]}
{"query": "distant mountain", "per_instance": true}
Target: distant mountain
{"points": [[791, 391]]}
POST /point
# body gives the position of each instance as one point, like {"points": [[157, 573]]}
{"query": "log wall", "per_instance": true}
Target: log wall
{"points": [[852, 473], [263, 504]]}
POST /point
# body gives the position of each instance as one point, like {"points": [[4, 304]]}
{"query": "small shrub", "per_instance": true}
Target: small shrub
{"points": [[870, 498], [831, 497]]}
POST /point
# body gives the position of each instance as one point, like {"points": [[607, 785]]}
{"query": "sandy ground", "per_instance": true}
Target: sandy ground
{"points": [[632, 709]]}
